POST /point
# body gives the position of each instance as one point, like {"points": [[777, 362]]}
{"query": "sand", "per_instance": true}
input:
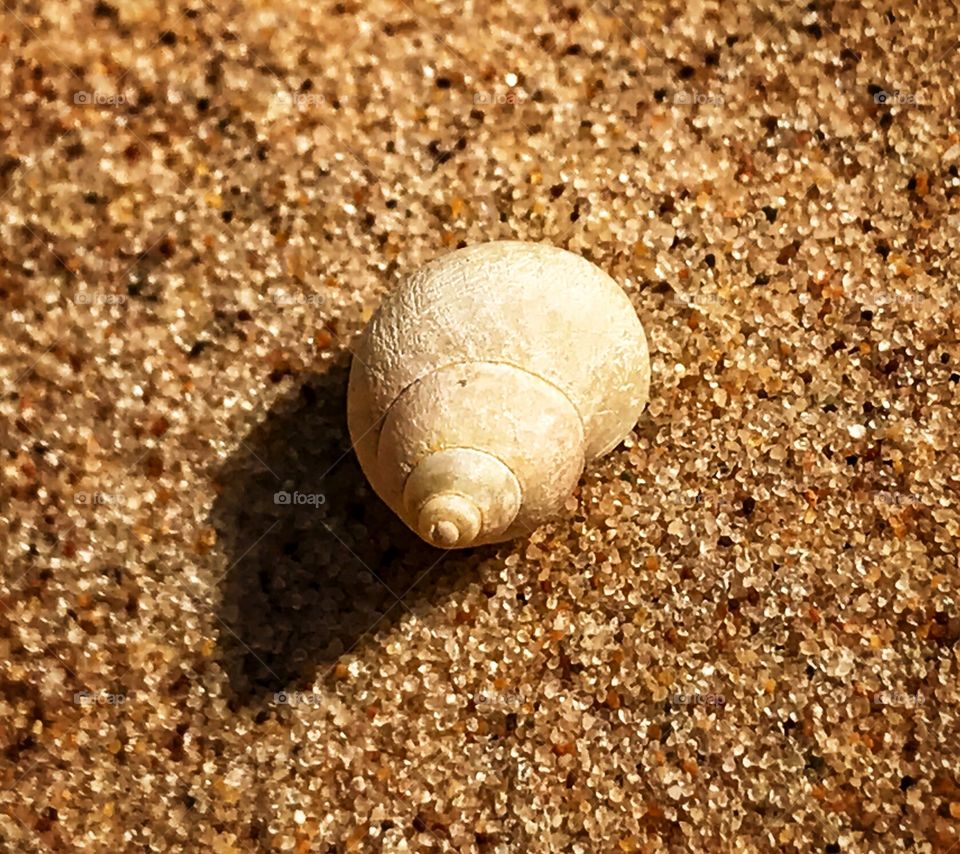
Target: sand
{"points": [[741, 634]]}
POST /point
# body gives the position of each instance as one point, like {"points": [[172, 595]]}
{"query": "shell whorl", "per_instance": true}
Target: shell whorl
{"points": [[458, 494], [460, 432], [449, 520]]}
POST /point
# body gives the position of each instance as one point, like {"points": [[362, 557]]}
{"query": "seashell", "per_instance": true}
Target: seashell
{"points": [[487, 381]]}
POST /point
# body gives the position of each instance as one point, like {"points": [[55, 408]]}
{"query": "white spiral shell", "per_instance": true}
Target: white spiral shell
{"points": [[485, 383]]}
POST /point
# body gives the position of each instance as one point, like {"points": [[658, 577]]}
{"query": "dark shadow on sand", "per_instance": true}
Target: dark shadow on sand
{"points": [[306, 582]]}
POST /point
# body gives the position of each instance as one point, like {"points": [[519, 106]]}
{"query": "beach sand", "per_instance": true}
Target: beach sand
{"points": [[741, 634]]}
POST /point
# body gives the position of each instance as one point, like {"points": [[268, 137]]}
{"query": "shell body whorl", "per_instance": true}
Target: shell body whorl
{"points": [[486, 381]]}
